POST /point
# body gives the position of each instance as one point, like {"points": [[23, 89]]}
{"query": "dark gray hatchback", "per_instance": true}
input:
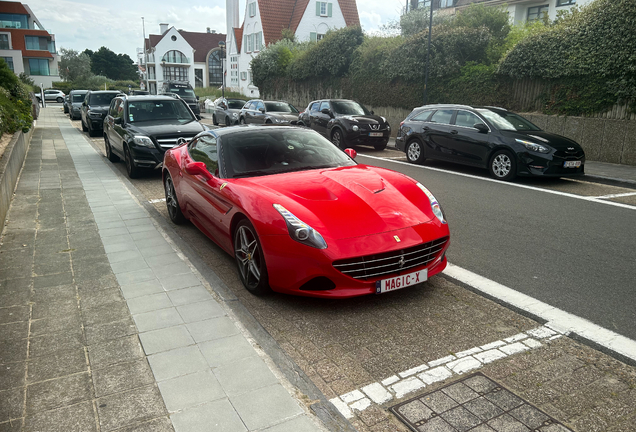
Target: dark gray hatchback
{"points": [[501, 141]]}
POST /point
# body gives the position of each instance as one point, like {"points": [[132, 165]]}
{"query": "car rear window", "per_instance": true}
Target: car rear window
{"points": [[78, 98], [101, 98]]}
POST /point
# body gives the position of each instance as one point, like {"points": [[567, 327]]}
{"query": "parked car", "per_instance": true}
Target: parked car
{"points": [[94, 109], [503, 142], [226, 111], [76, 97], [185, 91], [346, 123], [139, 92], [139, 129], [51, 95], [280, 200], [257, 111], [66, 104]]}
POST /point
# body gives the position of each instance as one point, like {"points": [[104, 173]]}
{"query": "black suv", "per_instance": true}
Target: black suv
{"points": [[185, 92], [139, 129], [94, 109], [488, 137], [346, 123]]}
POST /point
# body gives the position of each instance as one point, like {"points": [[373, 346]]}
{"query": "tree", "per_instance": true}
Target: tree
{"points": [[74, 66], [114, 66]]}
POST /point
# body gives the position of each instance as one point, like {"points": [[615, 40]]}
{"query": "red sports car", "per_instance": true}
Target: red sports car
{"points": [[301, 217]]}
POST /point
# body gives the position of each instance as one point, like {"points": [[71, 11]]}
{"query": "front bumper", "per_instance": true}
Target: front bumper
{"points": [[145, 157], [292, 267], [97, 122], [548, 165]]}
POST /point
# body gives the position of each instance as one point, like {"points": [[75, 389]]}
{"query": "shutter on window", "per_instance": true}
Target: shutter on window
{"points": [[245, 43], [318, 8], [312, 36], [329, 8]]}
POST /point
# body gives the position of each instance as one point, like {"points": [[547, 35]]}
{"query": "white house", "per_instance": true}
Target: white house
{"points": [[179, 55], [263, 23], [524, 10]]}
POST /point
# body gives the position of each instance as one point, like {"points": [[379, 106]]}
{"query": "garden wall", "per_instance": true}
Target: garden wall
{"points": [[10, 165]]}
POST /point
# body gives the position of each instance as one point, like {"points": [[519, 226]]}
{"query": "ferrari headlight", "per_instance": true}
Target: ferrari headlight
{"points": [[143, 141], [300, 231], [533, 146], [437, 209]]}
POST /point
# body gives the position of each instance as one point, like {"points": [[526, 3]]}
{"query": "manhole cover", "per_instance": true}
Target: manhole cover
{"points": [[475, 403]]}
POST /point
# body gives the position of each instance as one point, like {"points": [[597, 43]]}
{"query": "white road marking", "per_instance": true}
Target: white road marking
{"points": [[617, 195], [557, 319], [549, 191], [154, 201]]}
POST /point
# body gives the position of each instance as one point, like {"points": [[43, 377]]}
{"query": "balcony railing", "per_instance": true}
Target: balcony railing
{"points": [[51, 72]]}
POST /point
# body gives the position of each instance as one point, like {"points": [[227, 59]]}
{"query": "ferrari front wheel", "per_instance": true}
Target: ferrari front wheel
{"points": [[174, 210], [249, 259]]}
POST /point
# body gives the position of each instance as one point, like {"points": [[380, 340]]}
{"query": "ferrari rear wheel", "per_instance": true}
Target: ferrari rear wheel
{"points": [[174, 210], [249, 259]]}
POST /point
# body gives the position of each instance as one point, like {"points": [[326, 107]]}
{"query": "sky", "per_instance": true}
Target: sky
{"points": [[117, 24]]}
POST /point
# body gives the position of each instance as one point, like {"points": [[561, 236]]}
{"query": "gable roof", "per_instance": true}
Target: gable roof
{"points": [[202, 43], [238, 38], [277, 15], [350, 12]]}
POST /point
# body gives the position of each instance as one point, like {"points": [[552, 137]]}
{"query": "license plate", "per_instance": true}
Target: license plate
{"points": [[403, 281], [571, 164], [375, 134]]}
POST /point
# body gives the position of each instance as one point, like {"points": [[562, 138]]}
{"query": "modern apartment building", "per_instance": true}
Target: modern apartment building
{"points": [[26, 46]]}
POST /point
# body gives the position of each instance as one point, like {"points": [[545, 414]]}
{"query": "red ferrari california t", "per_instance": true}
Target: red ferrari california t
{"points": [[301, 217]]}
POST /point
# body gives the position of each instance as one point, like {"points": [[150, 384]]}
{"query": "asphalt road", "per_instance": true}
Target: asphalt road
{"points": [[571, 253], [577, 255]]}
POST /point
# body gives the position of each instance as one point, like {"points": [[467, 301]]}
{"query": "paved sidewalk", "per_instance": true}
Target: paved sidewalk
{"points": [[104, 326]]}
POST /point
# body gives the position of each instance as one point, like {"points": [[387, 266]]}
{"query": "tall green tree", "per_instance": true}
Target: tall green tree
{"points": [[114, 66], [73, 65]]}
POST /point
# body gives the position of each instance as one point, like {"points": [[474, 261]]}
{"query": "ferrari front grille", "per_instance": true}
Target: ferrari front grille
{"points": [[394, 262]]}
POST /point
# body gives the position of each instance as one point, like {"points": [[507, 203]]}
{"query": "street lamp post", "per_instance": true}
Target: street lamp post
{"points": [[428, 54], [143, 25], [222, 46]]}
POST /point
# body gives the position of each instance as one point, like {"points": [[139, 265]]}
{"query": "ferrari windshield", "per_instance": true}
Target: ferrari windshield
{"points": [[141, 111], [281, 150], [504, 120], [349, 108]]}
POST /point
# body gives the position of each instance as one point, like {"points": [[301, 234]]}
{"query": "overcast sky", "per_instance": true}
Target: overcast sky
{"points": [[117, 24]]}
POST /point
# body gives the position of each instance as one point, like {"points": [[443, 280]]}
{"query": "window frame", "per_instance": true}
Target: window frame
{"points": [[454, 120], [541, 9], [450, 121], [203, 138]]}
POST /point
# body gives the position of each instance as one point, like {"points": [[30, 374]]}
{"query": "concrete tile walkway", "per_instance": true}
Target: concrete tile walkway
{"points": [[104, 326]]}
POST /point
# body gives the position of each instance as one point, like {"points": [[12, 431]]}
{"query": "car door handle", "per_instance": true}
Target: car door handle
{"points": [[454, 132], [426, 128]]}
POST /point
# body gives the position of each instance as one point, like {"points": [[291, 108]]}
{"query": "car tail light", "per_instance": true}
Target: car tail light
{"points": [[401, 124]]}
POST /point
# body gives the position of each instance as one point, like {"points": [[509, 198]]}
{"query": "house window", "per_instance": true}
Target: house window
{"points": [[36, 43], [324, 9], [215, 68], [252, 9], [175, 73], [258, 41], [319, 36], [535, 13], [175, 56], [198, 78], [9, 61], [446, 3], [4, 41], [39, 67], [151, 73], [16, 21], [565, 2], [243, 76]]}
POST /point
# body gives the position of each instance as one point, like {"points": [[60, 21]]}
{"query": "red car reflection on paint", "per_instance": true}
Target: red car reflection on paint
{"points": [[301, 217]]}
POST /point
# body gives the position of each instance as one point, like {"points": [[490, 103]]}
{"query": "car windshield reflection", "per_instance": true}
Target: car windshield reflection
{"points": [[280, 107], [507, 120], [260, 153], [160, 110], [349, 108]]}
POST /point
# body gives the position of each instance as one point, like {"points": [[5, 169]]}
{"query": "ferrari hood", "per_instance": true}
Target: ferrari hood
{"points": [[345, 202]]}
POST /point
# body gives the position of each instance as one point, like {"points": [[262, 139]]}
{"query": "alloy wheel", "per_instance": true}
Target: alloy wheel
{"points": [[414, 151], [248, 257], [501, 165]]}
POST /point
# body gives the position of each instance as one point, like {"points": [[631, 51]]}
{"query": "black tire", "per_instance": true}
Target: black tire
{"points": [[249, 259], [228, 122], [338, 139], [502, 165], [59, 100], [90, 129], [174, 210], [380, 146], [84, 128], [242, 120], [214, 122], [415, 152], [109, 152], [131, 169], [268, 121]]}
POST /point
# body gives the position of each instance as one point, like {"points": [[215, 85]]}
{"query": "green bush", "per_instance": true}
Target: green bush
{"points": [[15, 102]]}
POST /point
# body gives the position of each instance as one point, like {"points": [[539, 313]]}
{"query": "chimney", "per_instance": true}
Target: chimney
{"points": [[208, 29], [231, 15], [163, 27]]}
